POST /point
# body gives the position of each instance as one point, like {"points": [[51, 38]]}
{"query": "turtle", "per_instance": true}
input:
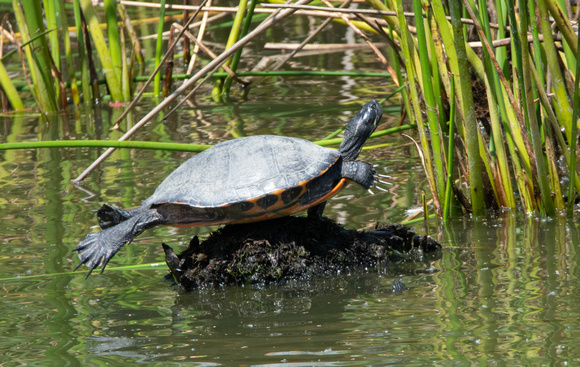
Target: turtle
{"points": [[242, 180]]}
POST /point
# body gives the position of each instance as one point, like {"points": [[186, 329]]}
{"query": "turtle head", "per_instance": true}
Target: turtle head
{"points": [[359, 129]]}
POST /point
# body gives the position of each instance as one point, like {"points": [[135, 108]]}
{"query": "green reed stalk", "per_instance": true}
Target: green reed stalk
{"points": [[50, 7], [450, 148], [501, 52], [431, 105], [68, 53], [435, 72], [29, 20], [415, 114], [233, 38], [555, 127], [529, 109], [466, 100], [158, 48], [238, 54], [536, 43], [113, 37], [564, 25], [508, 199], [569, 54], [9, 89], [126, 69], [286, 73], [563, 110], [499, 174], [102, 50], [106, 144], [574, 133], [181, 147], [82, 55], [440, 53], [395, 61]]}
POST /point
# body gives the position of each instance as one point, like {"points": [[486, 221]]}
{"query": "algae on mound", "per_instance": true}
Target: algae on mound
{"points": [[290, 248]]}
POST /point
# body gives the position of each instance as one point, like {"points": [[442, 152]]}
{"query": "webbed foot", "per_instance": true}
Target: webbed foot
{"points": [[95, 250]]}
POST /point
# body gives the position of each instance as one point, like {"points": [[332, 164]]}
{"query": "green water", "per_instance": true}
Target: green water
{"points": [[505, 291]]}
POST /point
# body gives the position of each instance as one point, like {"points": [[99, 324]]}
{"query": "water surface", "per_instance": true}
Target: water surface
{"points": [[504, 291]]}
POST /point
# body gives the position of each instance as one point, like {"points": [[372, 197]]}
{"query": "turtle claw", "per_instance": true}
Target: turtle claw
{"points": [[95, 251], [380, 188], [385, 176]]}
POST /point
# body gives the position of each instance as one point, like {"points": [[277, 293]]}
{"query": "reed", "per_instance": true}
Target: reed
{"points": [[524, 77], [98, 38], [10, 89], [32, 32], [234, 36], [525, 133], [82, 55], [158, 48], [237, 56]]}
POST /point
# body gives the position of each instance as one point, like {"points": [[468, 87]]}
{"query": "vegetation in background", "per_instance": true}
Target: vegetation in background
{"points": [[491, 86]]}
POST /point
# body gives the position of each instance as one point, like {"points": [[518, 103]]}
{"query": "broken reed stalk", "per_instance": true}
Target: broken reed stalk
{"points": [[167, 81], [209, 52], [270, 21], [200, 35], [186, 44]]}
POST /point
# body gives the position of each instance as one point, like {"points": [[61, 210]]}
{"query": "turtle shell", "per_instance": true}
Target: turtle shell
{"points": [[248, 179]]}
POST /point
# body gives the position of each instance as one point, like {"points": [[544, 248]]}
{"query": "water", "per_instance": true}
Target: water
{"points": [[505, 290]]}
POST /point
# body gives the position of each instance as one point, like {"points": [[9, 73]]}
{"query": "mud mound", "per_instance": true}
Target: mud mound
{"points": [[290, 248]]}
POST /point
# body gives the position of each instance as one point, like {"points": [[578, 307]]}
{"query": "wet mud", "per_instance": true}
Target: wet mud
{"points": [[292, 248]]}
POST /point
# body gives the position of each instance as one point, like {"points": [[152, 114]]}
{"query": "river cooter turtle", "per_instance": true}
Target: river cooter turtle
{"points": [[242, 180]]}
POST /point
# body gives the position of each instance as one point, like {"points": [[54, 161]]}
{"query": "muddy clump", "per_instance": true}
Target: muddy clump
{"points": [[290, 248]]}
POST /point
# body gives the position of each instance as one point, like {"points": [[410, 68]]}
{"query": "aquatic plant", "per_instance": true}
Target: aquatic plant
{"points": [[499, 150]]}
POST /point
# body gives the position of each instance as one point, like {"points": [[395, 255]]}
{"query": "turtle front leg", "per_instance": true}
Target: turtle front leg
{"points": [[360, 172], [97, 248]]}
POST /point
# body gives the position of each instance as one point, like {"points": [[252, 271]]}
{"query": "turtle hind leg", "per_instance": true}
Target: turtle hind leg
{"points": [[97, 249], [316, 210], [360, 172]]}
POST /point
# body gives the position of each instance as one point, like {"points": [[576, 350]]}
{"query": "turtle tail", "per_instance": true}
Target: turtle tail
{"points": [[97, 248]]}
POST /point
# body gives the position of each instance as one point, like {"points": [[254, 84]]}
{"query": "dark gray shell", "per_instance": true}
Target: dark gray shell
{"points": [[243, 169]]}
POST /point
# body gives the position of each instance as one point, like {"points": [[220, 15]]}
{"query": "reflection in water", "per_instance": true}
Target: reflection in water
{"points": [[504, 292]]}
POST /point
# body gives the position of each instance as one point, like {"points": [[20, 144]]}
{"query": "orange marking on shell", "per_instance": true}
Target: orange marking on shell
{"points": [[269, 213]]}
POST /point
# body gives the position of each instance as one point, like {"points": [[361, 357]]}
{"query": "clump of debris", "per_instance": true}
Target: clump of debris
{"points": [[291, 248]]}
